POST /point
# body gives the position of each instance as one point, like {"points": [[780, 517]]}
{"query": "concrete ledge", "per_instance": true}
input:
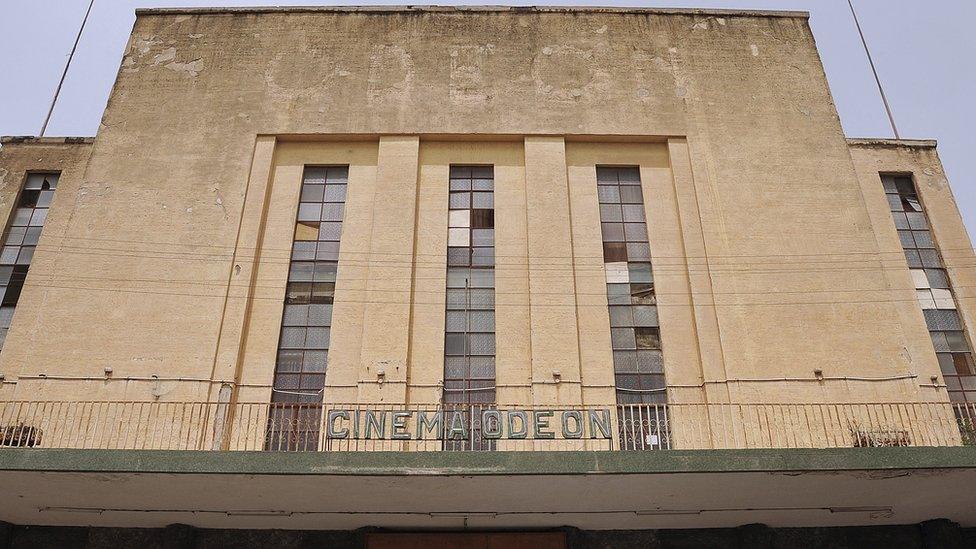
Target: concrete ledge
{"points": [[485, 463], [490, 490], [473, 9], [881, 142]]}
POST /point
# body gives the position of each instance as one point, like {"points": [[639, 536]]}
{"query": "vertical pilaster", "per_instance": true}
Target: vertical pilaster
{"points": [[389, 289], [699, 277], [672, 283], [430, 273], [513, 359], [552, 286], [244, 270], [596, 357]]}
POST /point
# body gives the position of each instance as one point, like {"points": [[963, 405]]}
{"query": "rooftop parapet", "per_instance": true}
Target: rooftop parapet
{"points": [[475, 9]]}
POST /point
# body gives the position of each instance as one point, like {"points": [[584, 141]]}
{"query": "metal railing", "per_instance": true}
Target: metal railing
{"points": [[734, 426], [362, 427]]}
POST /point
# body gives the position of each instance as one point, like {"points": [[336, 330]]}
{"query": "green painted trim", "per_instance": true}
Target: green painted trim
{"points": [[485, 463]]}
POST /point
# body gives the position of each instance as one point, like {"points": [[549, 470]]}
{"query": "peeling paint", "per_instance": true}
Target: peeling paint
{"points": [[168, 54], [468, 83], [680, 83], [648, 71], [704, 24], [143, 45], [192, 68], [129, 65], [567, 73], [391, 73], [285, 81]]}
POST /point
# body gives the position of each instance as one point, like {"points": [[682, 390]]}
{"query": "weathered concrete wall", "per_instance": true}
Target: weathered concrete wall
{"points": [[18, 157], [21, 155], [764, 200], [920, 159]]}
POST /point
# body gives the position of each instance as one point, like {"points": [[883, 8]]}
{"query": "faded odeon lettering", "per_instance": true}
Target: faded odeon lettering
{"points": [[460, 423]]}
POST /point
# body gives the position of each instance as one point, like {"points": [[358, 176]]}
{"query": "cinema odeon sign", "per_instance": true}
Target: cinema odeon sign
{"points": [[456, 424]]}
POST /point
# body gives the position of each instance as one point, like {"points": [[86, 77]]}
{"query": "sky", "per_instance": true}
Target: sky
{"points": [[925, 53]]}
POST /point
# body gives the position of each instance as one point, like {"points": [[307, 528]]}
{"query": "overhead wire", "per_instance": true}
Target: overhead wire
{"points": [[232, 248], [64, 73], [874, 70], [681, 263], [497, 304]]}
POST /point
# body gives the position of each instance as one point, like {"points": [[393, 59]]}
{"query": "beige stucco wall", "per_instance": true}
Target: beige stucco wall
{"points": [[18, 157], [755, 209], [919, 159]]}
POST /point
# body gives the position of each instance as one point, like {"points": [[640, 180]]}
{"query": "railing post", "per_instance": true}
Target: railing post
{"points": [[221, 440]]}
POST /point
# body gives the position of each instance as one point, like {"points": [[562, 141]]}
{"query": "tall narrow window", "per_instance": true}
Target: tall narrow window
{"points": [[635, 335], [932, 286], [21, 241], [469, 340], [634, 330], [303, 346]]}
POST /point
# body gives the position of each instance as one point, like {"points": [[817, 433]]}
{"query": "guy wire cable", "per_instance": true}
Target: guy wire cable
{"points": [[64, 74]]}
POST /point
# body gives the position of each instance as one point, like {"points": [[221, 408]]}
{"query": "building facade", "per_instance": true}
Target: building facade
{"points": [[541, 236]]}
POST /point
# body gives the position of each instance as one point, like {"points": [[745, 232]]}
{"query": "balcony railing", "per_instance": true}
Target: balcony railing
{"points": [[362, 427]]}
